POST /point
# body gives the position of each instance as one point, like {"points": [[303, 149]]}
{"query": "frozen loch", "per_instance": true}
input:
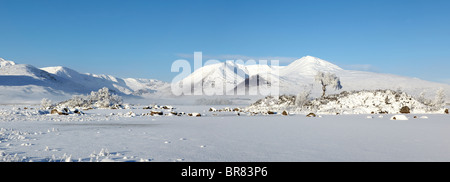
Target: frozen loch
{"points": [[107, 135]]}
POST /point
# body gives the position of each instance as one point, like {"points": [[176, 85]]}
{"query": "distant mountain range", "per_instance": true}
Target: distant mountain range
{"points": [[23, 82], [299, 75]]}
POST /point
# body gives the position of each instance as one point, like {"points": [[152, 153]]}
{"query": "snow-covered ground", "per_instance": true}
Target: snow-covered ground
{"points": [[118, 135]]}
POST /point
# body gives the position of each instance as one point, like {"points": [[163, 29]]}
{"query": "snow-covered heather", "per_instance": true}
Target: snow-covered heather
{"points": [[127, 135], [355, 102]]}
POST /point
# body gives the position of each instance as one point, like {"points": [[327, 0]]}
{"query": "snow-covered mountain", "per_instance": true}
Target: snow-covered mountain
{"points": [[5, 63], [299, 75], [23, 82], [308, 66], [228, 73], [128, 86]]}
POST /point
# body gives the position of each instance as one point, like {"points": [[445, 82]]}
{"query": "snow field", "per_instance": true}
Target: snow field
{"points": [[99, 137]]}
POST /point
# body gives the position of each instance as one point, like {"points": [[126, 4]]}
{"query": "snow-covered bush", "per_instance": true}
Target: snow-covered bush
{"points": [[78, 101], [328, 79], [439, 99], [437, 103], [103, 98], [274, 103], [422, 99], [46, 103], [302, 98]]}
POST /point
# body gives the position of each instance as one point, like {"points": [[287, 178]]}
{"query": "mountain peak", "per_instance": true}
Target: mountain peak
{"points": [[314, 60], [56, 69], [308, 57], [309, 65], [4, 62]]}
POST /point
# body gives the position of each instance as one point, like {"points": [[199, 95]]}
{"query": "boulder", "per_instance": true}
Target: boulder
{"points": [[405, 110], [167, 107], [54, 111], [285, 113], [271, 112], [194, 114], [76, 111], [116, 106], [153, 113], [311, 115], [446, 111], [63, 111]]}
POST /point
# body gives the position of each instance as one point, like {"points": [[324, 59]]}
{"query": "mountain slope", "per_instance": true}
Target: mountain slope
{"points": [[24, 75], [21, 83]]}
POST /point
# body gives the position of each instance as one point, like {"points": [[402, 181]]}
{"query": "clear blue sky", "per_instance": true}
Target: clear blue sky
{"points": [[142, 38]]}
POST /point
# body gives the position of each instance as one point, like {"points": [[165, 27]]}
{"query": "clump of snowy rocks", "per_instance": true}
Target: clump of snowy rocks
{"points": [[103, 98], [353, 102]]}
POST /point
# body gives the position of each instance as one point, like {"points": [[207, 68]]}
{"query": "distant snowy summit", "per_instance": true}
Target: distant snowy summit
{"points": [[5, 63], [308, 65]]}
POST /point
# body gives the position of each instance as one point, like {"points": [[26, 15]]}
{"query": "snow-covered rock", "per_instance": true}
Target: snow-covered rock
{"points": [[356, 102], [195, 114], [399, 117]]}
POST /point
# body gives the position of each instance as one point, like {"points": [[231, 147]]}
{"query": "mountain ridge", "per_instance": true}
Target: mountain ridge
{"points": [[299, 75], [27, 80]]}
